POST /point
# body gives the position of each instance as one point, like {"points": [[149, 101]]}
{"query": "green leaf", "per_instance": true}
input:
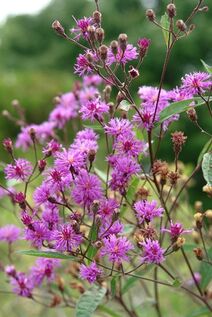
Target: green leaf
{"points": [[179, 107], [89, 301], [96, 127], [128, 228], [207, 67], [113, 286], [203, 311], [101, 174], [206, 271], [48, 254], [207, 168], [109, 311], [132, 279], [207, 148], [124, 105], [164, 21], [92, 237]]}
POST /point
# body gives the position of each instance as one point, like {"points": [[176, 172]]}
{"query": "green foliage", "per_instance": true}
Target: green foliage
{"points": [[48, 254], [89, 301], [165, 25], [206, 271], [207, 168]]}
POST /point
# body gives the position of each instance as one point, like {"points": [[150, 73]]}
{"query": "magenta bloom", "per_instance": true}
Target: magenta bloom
{"points": [[37, 233], [93, 109], [83, 66], [129, 54], [22, 285], [81, 27], [69, 161], [107, 229], [152, 252], [50, 216], [118, 127], [147, 210], [44, 268], [116, 248], [175, 230], [66, 239], [41, 194], [90, 273], [20, 170], [144, 43], [107, 208], [196, 83], [9, 233], [87, 189], [129, 145], [51, 148]]}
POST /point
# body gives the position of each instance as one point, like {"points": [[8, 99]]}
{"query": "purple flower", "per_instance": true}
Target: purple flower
{"points": [[90, 273], [69, 161], [175, 230], [93, 109], [50, 216], [66, 239], [129, 54], [41, 194], [22, 285], [83, 66], [116, 248], [9, 233], [44, 268], [37, 233], [108, 228], [147, 210], [144, 43], [129, 145], [118, 127], [107, 208], [88, 94], [81, 27], [93, 80], [152, 252], [190, 282], [123, 168], [196, 83], [87, 189], [51, 148], [20, 170]]}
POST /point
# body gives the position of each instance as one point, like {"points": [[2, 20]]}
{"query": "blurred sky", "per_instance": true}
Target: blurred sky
{"points": [[14, 7]]}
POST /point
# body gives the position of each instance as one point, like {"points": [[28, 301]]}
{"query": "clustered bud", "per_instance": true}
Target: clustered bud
{"points": [[150, 14], [103, 50], [122, 41], [58, 28], [180, 24], [178, 139], [171, 10], [192, 115], [100, 34], [97, 17], [114, 47]]}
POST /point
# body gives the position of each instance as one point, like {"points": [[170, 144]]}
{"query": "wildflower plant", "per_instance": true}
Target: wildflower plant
{"points": [[101, 234]]}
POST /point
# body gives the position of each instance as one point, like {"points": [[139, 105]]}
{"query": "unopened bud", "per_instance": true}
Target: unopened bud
{"points": [[91, 32], [180, 24], [100, 34], [95, 206], [120, 97], [199, 253], [97, 17], [8, 145], [89, 57], [111, 108], [114, 47], [208, 190], [198, 206], [195, 236], [56, 300], [107, 93], [192, 115], [179, 243], [171, 10], [103, 52], [122, 41], [6, 113], [60, 283], [32, 134], [58, 27], [98, 220], [91, 155], [150, 14], [41, 165], [208, 214], [191, 27], [198, 217], [203, 9], [98, 244]]}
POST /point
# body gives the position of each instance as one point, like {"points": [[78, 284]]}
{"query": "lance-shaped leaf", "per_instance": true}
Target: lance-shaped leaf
{"points": [[207, 168], [207, 67], [164, 21], [48, 254]]}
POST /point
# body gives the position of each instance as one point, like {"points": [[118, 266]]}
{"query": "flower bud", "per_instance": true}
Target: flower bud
{"points": [[198, 217], [198, 206], [178, 139], [103, 52], [142, 193], [19, 198], [203, 9], [180, 24], [133, 72], [56, 300], [32, 134], [97, 17], [199, 253], [195, 236], [173, 177], [107, 93], [60, 283], [179, 243], [8, 145], [58, 28], [208, 214], [100, 34], [41, 165], [98, 244], [114, 47], [91, 156], [171, 10], [89, 57], [208, 190], [192, 115], [91, 32], [122, 41], [95, 206], [111, 108], [150, 14]]}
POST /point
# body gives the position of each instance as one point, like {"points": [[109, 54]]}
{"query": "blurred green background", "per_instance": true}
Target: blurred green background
{"points": [[36, 65]]}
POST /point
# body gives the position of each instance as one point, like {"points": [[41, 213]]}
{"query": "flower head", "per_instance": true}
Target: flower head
{"points": [[20, 170], [66, 239], [93, 109], [196, 83], [129, 54], [90, 273], [152, 252], [147, 210], [81, 27], [9, 233], [175, 230], [118, 127], [43, 268]]}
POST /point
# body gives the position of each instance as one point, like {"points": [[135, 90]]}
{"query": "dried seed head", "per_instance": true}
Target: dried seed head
{"points": [[208, 190], [41, 165], [91, 32], [100, 34], [180, 24], [97, 17], [142, 193], [178, 139], [173, 177], [150, 14], [122, 41], [171, 10], [91, 155]]}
